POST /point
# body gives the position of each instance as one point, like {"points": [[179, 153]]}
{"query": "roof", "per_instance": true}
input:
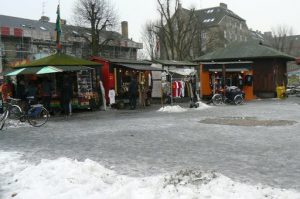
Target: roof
{"points": [[128, 61], [60, 59], [244, 51], [17, 22], [44, 26], [174, 63], [213, 16]]}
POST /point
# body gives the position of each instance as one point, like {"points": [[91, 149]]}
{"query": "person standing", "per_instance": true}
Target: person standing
{"points": [[132, 93], [31, 90], [66, 95], [21, 91], [7, 90], [46, 93]]}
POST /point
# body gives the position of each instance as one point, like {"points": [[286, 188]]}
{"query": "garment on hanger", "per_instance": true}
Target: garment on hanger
{"points": [[175, 89], [182, 88]]}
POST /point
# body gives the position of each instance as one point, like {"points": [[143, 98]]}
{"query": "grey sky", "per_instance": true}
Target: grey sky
{"points": [[260, 14]]}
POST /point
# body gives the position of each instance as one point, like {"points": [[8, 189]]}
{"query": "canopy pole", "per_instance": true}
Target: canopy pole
{"points": [[224, 77]]}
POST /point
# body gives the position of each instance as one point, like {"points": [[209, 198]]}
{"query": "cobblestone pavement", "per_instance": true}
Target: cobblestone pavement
{"points": [[145, 142]]}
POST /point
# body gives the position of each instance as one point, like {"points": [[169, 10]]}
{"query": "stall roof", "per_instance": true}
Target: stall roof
{"points": [[128, 61], [59, 59], [244, 51], [227, 63], [175, 63], [140, 67]]}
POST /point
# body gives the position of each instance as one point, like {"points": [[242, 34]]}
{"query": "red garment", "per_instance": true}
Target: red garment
{"points": [[179, 89], [7, 91], [174, 89]]}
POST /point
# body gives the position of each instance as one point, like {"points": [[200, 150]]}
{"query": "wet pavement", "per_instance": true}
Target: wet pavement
{"points": [[145, 142]]}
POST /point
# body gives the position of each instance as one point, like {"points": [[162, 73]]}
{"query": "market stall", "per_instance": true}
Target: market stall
{"points": [[215, 76], [57, 69], [179, 81], [117, 75]]}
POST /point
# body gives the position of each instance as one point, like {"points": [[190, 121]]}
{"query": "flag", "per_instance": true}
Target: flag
{"points": [[58, 27]]}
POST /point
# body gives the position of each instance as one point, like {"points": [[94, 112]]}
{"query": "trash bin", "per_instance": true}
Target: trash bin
{"points": [[280, 92]]}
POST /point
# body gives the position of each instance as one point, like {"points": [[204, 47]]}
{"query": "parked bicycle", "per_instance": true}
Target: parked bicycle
{"points": [[36, 114], [233, 95]]}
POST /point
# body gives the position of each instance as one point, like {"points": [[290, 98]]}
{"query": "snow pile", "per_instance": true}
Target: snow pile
{"points": [[202, 106], [65, 178], [15, 124], [172, 109]]}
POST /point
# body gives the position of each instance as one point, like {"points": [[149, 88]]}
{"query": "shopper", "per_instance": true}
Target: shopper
{"points": [[7, 90], [132, 93], [66, 95], [31, 90], [46, 93]]}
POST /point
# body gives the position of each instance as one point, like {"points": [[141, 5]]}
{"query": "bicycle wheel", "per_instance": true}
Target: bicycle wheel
{"points": [[37, 116], [3, 119], [217, 99], [238, 100], [15, 112]]}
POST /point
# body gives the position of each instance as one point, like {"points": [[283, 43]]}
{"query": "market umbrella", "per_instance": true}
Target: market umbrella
{"points": [[49, 69], [44, 70]]}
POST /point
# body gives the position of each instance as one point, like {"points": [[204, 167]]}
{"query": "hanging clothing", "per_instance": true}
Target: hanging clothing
{"points": [[179, 88], [175, 87], [182, 88], [102, 92], [111, 95], [149, 80]]}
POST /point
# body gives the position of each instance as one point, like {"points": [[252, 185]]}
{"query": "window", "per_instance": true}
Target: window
{"points": [[241, 26], [225, 34], [203, 35], [43, 28], [75, 32]]}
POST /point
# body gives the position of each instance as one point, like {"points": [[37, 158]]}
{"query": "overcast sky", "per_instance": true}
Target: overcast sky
{"points": [[260, 15]]}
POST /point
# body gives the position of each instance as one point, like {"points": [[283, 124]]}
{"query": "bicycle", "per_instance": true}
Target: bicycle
{"points": [[36, 115], [231, 96]]}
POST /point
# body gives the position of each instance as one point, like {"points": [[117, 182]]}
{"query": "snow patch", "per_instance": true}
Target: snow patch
{"points": [[65, 178], [172, 109], [15, 124], [202, 106]]}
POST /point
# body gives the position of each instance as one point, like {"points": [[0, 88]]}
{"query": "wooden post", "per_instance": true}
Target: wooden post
{"points": [[224, 77]]}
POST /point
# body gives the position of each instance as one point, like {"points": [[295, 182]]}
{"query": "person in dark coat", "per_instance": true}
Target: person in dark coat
{"points": [[46, 93], [21, 90], [66, 95], [132, 91]]}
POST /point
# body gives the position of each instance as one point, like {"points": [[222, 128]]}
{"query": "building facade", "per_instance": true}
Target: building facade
{"points": [[218, 27], [22, 38]]}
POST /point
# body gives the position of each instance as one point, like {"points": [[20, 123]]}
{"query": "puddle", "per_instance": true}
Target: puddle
{"points": [[246, 121]]}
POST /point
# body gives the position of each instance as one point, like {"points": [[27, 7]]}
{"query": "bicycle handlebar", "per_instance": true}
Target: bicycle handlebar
{"points": [[14, 99]]}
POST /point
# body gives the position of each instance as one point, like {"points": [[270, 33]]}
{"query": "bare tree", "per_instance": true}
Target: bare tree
{"points": [[280, 40], [178, 29], [151, 40], [98, 16]]}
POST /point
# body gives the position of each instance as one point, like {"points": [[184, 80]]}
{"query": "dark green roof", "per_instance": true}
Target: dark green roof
{"points": [[128, 61], [244, 51], [60, 59], [174, 63]]}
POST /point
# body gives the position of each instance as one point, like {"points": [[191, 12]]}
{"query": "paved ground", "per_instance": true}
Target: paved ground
{"points": [[145, 142]]}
